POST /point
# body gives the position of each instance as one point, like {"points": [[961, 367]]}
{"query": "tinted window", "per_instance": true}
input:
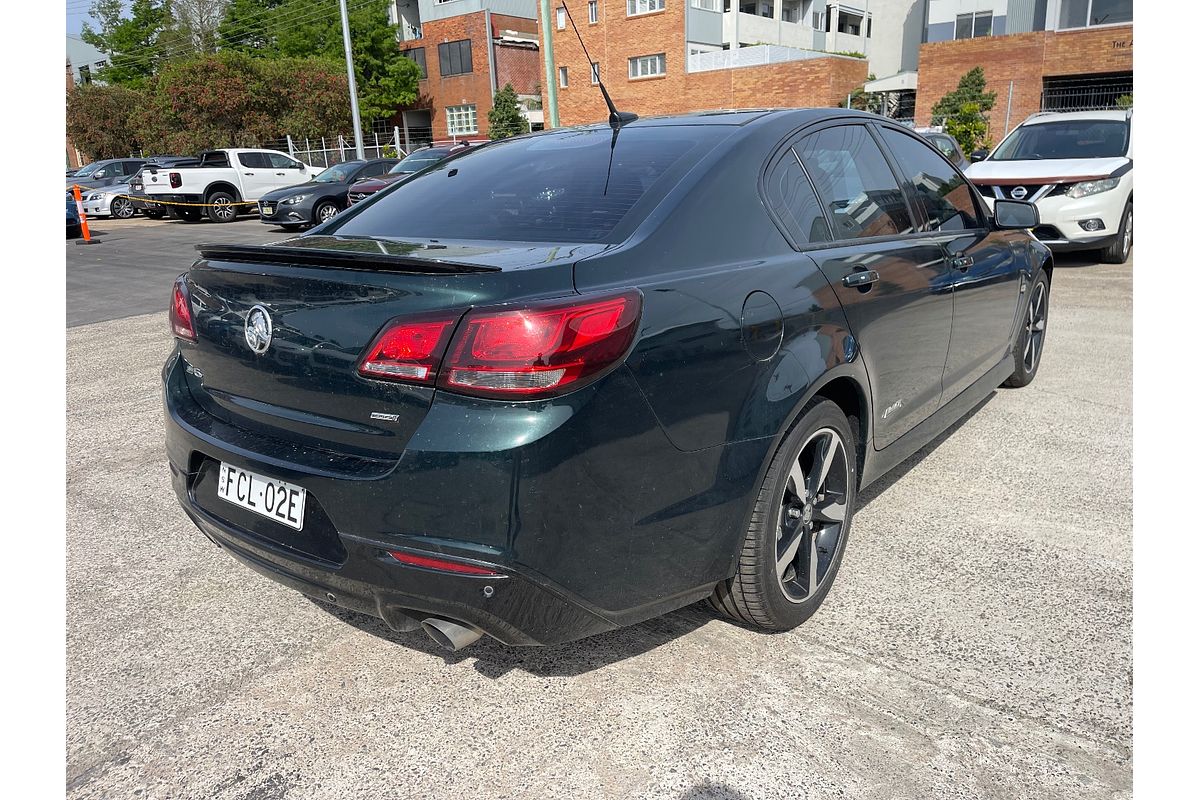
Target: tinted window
{"points": [[254, 160], [280, 161], [855, 184], [420, 159], [373, 169], [417, 54], [454, 58], [1068, 139], [943, 144], [940, 190], [791, 197], [550, 188]]}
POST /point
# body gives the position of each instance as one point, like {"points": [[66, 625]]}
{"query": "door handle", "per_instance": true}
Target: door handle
{"points": [[281, 173], [963, 263], [860, 279], [250, 174]]}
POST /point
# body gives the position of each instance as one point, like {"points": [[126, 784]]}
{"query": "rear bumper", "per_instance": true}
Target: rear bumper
{"points": [[581, 542]]}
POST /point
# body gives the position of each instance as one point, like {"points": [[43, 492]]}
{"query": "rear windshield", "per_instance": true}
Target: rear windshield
{"points": [[1067, 139], [572, 186], [420, 160]]}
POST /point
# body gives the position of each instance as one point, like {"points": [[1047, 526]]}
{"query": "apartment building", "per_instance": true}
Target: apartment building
{"points": [[467, 50], [1053, 55], [673, 56]]}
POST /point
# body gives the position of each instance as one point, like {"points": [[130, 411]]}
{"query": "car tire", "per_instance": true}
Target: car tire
{"points": [[778, 583], [222, 207], [324, 212], [155, 214], [122, 208], [185, 214], [1118, 250], [1027, 353], [291, 228]]}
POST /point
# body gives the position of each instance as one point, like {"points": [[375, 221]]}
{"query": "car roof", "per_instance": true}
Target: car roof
{"points": [[1073, 116]]}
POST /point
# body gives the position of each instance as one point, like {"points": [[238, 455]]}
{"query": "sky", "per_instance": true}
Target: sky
{"points": [[77, 14]]}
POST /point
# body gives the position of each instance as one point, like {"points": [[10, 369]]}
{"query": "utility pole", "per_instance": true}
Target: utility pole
{"points": [[548, 58], [358, 140]]}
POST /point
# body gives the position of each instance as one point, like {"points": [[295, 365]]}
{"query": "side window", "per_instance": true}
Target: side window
{"points": [[939, 188], [280, 161], [855, 184], [790, 196], [378, 168], [253, 160]]}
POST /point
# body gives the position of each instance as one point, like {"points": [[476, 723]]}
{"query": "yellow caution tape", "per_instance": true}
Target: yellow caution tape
{"points": [[145, 198]]}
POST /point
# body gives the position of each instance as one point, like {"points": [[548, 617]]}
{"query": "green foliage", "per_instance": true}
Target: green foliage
{"points": [[862, 101], [131, 43], [98, 120], [963, 111], [387, 81], [969, 127], [851, 53], [1125, 101], [504, 118]]}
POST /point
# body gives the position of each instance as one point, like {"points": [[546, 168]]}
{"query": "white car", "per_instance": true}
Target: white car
{"points": [[1077, 168], [225, 183], [109, 201]]}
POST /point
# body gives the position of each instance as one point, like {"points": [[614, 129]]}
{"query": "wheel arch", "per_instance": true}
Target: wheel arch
{"points": [[222, 186]]}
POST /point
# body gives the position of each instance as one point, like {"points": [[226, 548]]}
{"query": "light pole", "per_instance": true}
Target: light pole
{"points": [[548, 59], [358, 139]]}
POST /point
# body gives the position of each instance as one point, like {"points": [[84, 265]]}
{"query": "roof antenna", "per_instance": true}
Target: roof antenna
{"points": [[616, 119]]}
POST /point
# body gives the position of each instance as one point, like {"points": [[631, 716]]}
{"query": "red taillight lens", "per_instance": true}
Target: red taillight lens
{"points": [[176, 180], [409, 349], [181, 312], [444, 565], [542, 349]]}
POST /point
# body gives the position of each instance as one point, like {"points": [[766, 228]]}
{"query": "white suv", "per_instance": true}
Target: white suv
{"points": [[1078, 169]]}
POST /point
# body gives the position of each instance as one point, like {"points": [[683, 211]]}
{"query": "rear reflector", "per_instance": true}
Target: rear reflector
{"points": [[181, 311], [444, 565], [409, 350]]}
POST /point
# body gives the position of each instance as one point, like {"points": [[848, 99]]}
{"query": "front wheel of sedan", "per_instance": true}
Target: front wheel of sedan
{"points": [[1031, 338], [122, 208], [325, 212], [799, 526]]}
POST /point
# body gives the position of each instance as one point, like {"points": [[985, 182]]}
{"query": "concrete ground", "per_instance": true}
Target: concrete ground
{"points": [[977, 643]]}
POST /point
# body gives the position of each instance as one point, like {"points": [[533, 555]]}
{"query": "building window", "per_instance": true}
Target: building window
{"points": [[85, 74], [1085, 13], [593, 12], [562, 77], [454, 58], [850, 23], [636, 7], [460, 120], [972, 26], [99, 65], [707, 5], [595, 73], [648, 66], [560, 17], [417, 54]]}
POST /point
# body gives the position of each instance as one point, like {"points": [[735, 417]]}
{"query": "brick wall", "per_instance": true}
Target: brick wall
{"points": [[615, 38], [1023, 58], [521, 66]]}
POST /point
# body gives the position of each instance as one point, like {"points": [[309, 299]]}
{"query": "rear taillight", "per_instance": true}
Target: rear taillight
{"points": [[440, 564], [176, 180], [538, 350], [542, 349], [181, 312], [410, 349]]}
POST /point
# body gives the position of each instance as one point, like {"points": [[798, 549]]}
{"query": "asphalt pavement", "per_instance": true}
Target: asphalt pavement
{"points": [[977, 643]]}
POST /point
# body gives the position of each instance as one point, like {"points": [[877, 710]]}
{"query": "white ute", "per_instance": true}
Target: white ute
{"points": [[226, 182], [1077, 168]]}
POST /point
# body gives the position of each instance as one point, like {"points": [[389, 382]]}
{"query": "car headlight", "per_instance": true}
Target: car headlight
{"points": [[291, 201], [1086, 188], [94, 196]]}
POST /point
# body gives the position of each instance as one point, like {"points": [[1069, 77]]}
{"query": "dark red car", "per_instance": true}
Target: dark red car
{"points": [[413, 162]]}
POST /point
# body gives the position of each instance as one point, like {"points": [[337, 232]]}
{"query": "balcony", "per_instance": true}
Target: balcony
{"points": [[755, 56]]}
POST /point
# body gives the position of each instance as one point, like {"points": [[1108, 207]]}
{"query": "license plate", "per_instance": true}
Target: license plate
{"points": [[268, 497], [267, 209]]}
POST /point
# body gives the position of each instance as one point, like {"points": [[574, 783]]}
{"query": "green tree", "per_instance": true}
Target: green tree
{"points": [[862, 101], [387, 81], [132, 43], [965, 109], [505, 118], [99, 119]]}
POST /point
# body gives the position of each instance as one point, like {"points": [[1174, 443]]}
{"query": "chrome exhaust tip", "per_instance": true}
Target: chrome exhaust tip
{"points": [[449, 635]]}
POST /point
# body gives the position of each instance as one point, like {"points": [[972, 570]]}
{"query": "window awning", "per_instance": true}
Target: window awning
{"points": [[900, 82]]}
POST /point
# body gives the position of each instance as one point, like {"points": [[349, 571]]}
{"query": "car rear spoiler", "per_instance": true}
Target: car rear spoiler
{"points": [[343, 259]]}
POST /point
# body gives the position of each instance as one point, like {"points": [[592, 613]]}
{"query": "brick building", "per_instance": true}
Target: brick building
{"points": [[467, 49], [648, 54], [1056, 55]]}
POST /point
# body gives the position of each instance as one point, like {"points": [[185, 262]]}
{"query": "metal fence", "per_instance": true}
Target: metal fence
{"points": [[325, 151]]}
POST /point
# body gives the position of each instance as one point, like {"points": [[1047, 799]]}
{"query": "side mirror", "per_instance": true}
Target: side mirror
{"points": [[979, 155], [1016, 215]]}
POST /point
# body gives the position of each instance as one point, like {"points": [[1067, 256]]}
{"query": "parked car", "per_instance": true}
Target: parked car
{"points": [[574, 380], [225, 181], [1077, 168], [104, 173], [947, 145], [322, 197], [153, 171], [112, 200], [414, 161], [74, 225]]}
